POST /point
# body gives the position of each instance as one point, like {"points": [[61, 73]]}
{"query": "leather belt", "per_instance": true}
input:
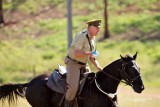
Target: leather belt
{"points": [[78, 62]]}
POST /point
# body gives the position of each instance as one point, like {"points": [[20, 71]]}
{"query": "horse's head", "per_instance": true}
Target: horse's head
{"points": [[131, 73]]}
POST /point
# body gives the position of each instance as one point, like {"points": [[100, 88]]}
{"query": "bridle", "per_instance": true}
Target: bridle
{"points": [[127, 80], [126, 77]]}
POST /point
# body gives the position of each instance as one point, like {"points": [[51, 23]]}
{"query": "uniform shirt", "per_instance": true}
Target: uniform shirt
{"points": [[81, 42]]}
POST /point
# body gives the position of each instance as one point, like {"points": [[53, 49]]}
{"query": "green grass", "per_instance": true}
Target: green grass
{"points": [[125, 22], [47, 52], [31, 6]]}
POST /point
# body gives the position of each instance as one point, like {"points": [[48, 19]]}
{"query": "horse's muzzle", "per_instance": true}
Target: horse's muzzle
{"points": [[138, 89]]}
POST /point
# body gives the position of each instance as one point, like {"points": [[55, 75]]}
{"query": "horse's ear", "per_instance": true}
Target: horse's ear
{"points": [[135, 56], [122, 57]]}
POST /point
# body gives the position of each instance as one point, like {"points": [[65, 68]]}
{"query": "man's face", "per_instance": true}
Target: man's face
{"points": [[94, 30]]}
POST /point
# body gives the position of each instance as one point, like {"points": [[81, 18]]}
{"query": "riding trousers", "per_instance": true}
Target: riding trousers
{"points": [[73, 76]]}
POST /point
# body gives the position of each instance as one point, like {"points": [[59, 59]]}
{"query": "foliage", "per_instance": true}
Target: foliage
{"points": [[126, 22]]}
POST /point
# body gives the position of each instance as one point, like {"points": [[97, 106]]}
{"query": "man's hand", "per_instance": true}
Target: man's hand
{"points": [[99, 68]]}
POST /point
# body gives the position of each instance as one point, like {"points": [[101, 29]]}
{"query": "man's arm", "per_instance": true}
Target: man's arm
{"points": [[80, 54], [95, 63]]}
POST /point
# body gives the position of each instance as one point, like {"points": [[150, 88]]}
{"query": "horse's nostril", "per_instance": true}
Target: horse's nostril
{"points": [[142, 87]]}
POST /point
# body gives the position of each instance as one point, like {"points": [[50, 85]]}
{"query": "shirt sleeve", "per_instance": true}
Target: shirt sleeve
{"points": [[79, 41]]}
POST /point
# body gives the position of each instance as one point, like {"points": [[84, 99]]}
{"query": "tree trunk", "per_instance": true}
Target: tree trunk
{"points": [[1, 12], [106, 29]]}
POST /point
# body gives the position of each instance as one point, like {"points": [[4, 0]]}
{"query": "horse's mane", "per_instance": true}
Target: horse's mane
{"points": [[110, 65], [128, 57]]}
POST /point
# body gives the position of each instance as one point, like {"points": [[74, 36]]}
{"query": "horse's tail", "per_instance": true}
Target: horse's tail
{"points": [[11, 92]]}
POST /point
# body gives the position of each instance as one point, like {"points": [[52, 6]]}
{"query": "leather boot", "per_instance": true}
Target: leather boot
{"points": [[68, 103]]}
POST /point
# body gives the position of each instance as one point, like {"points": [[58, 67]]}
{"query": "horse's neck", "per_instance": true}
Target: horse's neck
{"points": [[109, 83]]}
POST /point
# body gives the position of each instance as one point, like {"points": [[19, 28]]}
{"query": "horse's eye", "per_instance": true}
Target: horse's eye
{"points": [[131, 64]]}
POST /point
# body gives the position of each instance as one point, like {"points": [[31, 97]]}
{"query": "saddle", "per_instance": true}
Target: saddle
{"points": [[57, 80]]}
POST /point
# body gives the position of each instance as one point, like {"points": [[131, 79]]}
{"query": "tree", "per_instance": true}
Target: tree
{"points": [[1, 12], [106, 28], [69, 20]]}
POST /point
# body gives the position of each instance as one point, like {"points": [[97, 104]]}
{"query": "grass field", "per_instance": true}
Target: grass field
{"points": [[150, 97]]}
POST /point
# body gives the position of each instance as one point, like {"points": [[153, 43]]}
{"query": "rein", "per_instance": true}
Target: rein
{"points": [[114, 77], [111, 95], [128, 80]]}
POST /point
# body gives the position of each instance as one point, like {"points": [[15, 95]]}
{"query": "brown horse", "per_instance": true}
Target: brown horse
{"points": [[94, 94]]}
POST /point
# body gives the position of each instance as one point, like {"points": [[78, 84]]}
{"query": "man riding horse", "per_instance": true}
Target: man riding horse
{"points": [[81, 49]]}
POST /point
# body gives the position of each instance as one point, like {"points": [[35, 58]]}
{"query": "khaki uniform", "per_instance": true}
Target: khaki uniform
{"points": [[73, 69]]}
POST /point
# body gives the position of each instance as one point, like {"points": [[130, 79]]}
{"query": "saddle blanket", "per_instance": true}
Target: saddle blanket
{"points": [[56, 82]]}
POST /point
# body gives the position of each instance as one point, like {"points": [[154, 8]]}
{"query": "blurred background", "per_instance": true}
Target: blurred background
{"points": [[34, 39]]}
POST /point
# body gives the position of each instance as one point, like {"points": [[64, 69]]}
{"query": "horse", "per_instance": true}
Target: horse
{"points": [[100, 90]]}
